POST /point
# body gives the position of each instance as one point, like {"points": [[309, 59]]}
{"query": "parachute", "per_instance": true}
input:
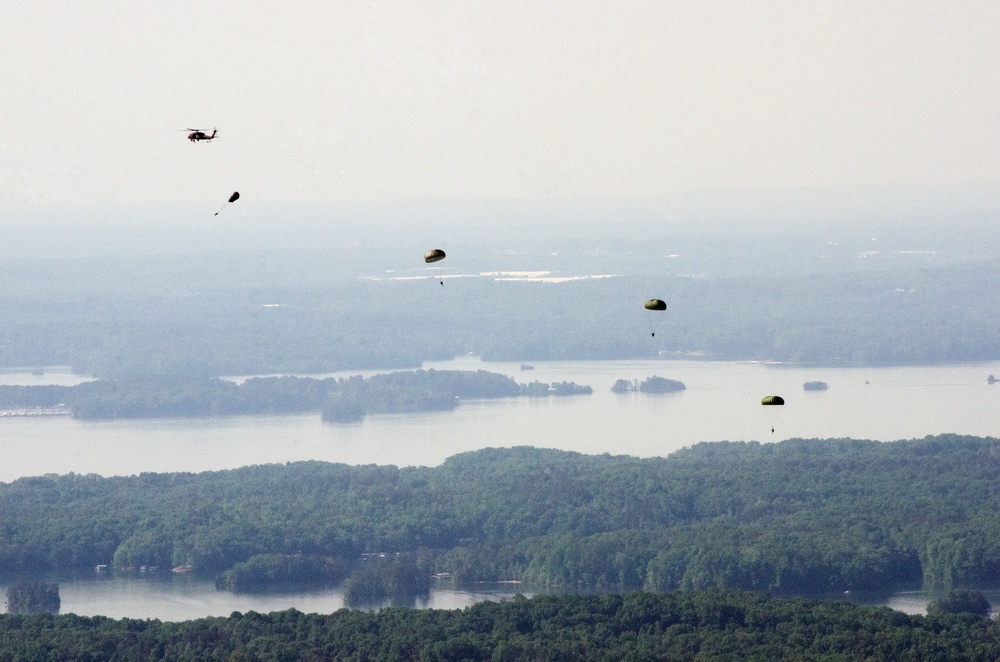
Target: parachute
{"points": [[770, 401], [233, 198], [434, 255], [655, 304]]}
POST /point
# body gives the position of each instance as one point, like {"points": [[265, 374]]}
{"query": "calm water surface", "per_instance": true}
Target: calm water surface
{"points": [[721, 403], [171, 597]]}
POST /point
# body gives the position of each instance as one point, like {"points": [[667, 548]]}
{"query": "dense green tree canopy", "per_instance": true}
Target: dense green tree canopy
{"points": [[216, 315], [800, 515], [708, 625], [337, 399], [960, 601]]}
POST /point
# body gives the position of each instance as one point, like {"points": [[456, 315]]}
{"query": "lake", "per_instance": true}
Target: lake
{"points": [[721, 402], [179, 597]]}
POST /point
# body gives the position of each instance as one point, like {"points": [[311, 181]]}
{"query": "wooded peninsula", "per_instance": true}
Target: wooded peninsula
{"points": [[796, 516], [338, 400]]}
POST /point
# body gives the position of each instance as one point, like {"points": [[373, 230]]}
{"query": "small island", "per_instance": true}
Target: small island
{"points": [[274, 571], [399, 576], [652, 384], [815, 386], [366, 580], [33, 597]]}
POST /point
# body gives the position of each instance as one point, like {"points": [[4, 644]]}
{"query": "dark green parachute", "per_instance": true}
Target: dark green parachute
{"points": [[770, 401], [434, 255], [233, 198]]}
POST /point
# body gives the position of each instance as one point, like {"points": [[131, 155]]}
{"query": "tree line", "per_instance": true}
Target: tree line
{"points": [[652, 384], [337, 399], [715, 624], [28, 596], [210, 326]]}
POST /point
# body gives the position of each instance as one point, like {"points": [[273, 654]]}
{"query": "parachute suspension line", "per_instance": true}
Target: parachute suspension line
{"points": [[770, 401], [656, 305], [435, 255]]}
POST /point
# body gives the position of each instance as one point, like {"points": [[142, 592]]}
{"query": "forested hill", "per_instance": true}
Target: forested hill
{"points": [[181, 316], [713, 625], [801, 515]]}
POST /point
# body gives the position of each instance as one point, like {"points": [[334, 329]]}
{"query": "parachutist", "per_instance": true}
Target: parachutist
{"points": [[770, 401], [655, 304]]}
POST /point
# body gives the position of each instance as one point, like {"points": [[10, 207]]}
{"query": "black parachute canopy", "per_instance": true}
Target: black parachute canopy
{"points": [[655, 304], [772, 400], [433, 255]]}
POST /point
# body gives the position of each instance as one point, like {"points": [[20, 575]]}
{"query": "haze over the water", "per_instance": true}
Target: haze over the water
{"points": [[325, 109]]}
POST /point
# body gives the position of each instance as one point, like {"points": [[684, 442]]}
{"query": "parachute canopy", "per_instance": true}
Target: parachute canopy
{"points": [[433, 255], [655, 304], [772, 400]]}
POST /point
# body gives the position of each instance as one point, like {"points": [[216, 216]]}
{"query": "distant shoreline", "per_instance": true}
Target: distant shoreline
{"points": [[35, 411]]}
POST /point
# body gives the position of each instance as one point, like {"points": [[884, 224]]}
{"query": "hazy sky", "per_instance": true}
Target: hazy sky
{"points": [[328, 101]]}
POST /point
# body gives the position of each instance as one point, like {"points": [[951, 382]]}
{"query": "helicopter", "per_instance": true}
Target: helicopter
{"points": [[197, 135]]}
